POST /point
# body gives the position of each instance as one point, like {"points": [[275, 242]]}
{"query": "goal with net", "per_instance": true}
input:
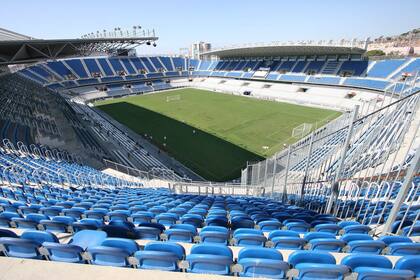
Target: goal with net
{"points": [[173, 98], [301, 130]]}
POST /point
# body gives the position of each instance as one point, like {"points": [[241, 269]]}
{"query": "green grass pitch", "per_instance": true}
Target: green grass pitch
{"points": [[214, 134]]}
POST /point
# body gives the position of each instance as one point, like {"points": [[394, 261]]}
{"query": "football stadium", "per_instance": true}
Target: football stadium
{"points": [[123, 157]]}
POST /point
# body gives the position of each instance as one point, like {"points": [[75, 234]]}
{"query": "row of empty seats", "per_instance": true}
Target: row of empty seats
{"points": [[25, 110], [31, 115], [164, 216], [25, 168], [96, 247]]}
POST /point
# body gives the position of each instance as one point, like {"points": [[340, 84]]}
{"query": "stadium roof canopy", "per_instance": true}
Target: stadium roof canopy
{"points": [[16, 48], [283, 50]]}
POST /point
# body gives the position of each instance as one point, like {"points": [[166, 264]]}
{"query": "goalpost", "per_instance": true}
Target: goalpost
{"points": [[173, 98], [301, 130]]}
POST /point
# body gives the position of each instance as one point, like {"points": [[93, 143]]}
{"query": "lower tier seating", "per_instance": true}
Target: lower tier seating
{"points": [[148, 228]]}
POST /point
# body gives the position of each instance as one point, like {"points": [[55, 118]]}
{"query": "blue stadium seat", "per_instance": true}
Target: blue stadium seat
{"points": [[147, 232], [397, 224], [409, 263], [262, 262], [356, 260], [281, 216], [214, 234], [6, 218], [180, 234], [404, 249], [285, 239], [326, 217], [394, 239], [160, 255], [98, 213], [355, 236], [31, 221], [293, 220], [327, 244], [120, 230], [27, 246], [51, 211], [142, 217], [298, 226], [331, 228], [178, 210], [158, 210], [269, 225], [87, 224], [113, 252], [315, 235], [188, 227], [366, 246], [11, 207], [212, 220], [374, 267], [153, 225], [137, 207], [316, 265], [58, 223], [64, 252], [192, 219], [33, 208], [210, 258], [364, 273], [7, 233], [356, 229], [415, 231], [217, 212], [123, 208], [276, 233], [75, 212], [241, 222], [66, 204], [249, 237], [344, 224], [72, 251], [119, 215], [198, 211], [167, 219]]}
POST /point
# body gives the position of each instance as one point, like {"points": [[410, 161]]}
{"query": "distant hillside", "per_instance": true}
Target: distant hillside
{"points": [[407, 43]]}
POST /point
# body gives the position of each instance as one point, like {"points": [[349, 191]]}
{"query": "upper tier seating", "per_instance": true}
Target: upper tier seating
{"points": [[89, 71], [78, 72], [382, 69], [354, 68]]}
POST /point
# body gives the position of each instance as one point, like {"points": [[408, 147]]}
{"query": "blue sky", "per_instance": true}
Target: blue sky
{"points": [[221, 22]]}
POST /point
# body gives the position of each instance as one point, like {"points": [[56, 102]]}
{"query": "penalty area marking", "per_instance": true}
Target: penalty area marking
{"points": [[173, 98]]}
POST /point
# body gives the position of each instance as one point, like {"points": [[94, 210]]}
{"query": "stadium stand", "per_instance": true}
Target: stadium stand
{"points": [[71, 73], [105, 240]]}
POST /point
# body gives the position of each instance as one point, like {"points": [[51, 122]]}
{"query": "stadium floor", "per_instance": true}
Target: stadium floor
{"points": [[213, 134]]}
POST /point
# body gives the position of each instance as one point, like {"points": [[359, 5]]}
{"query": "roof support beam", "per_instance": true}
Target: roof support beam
{"points": [[26, 51]]}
